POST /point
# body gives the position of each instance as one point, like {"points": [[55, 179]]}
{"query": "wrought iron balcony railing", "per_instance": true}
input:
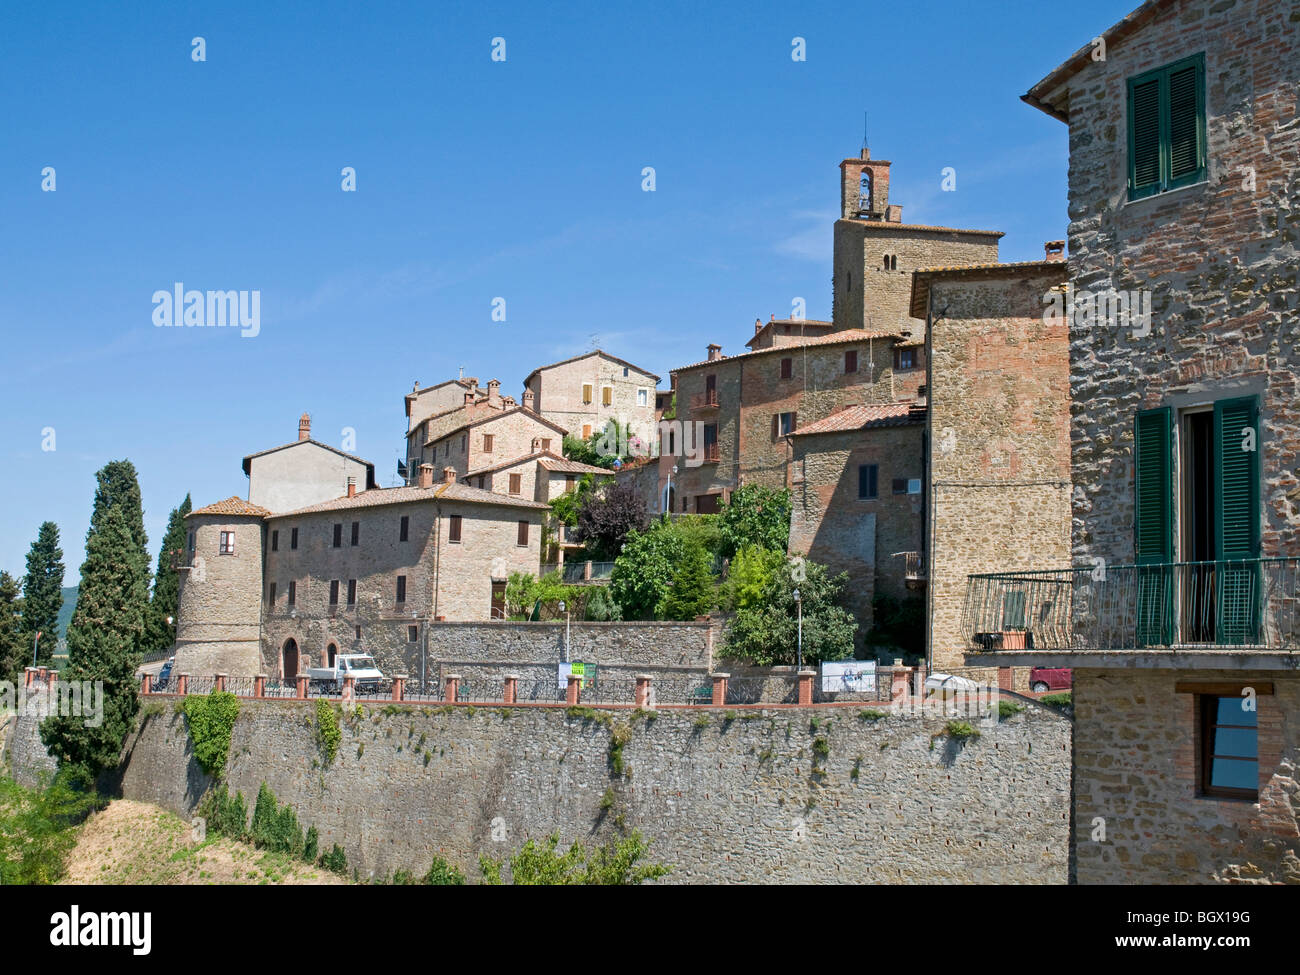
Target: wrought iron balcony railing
{"points": [[1251, 603], [913, 566]]}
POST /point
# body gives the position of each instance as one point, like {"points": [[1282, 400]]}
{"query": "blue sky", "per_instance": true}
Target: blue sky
{"points": [[475, 179]]}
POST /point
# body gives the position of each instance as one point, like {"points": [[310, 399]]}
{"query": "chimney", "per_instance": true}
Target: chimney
{"points": [[469, 399], [529, 399], [448, 475], [426, 475], [758, 325], [304, 427], [715, 351], [1054, 250], [352, 487], [494, 393]]}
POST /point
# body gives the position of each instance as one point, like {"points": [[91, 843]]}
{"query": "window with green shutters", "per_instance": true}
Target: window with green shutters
{"points": [[1153, 504], [1166, 128], [1236, 530]]}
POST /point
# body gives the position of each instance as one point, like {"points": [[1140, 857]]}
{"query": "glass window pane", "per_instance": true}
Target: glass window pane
{"points": [[1241, 742], [1230, 711], [1231, 773]]}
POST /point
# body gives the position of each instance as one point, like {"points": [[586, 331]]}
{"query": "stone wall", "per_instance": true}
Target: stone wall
{"points": [[1219, 257], [219, 601], [999, 440], [1136, 770], [723, 797], [558, 390]]}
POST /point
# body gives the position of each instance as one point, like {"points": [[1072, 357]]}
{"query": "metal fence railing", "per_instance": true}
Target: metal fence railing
{"points": [[1228, 603]]}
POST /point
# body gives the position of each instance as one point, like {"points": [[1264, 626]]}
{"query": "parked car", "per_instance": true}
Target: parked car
{"points": [[164, 675], [1042, 679], [360, 666]]}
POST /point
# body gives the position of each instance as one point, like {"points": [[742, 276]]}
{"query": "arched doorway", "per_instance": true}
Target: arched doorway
{"points": [[290, 659], [332, 652]]}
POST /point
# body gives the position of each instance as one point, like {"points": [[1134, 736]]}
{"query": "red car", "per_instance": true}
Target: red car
{"points": [[1042, 679]]}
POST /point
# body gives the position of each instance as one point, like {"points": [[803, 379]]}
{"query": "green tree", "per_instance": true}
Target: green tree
{"points": [[14, 652], [43, 591], [107, 628], [607, 516], [766, 633], [692, 591], [643, 571], [541, 864], [756, 516], [751, 573], [160, 634]]}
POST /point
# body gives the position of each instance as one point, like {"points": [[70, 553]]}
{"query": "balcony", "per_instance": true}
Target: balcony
{"points": [[1201, 613], [578, 573], [913, 569], [704, 401], [180, 560]]}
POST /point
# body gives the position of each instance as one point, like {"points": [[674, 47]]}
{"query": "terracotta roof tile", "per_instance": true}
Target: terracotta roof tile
{"points": [[406, 495], [866, 416], [843, 336], [232, 506]]}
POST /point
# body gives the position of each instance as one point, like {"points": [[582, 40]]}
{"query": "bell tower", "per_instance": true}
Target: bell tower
{"points": [[864, 188]]}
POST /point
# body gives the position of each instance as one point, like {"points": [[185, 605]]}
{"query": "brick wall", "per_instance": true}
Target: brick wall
{"points": [[999, 440], [1135, 745]]}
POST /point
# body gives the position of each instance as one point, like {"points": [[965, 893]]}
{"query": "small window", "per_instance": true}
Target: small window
{"points": [[293, 538], [356, 532], [401, 589], [900, 485], [1166, 128], [453, 528], [464, 442], [334, 592], [516, 483], [523, 534], [412, 634], [711, 442], [487, 443], [1229, 747], [293, 593], [546, 443], [867, 481], [358, 633], [625, 372], [586, 431], [905, 358], [782, 424], [851, 360], [275, 541], [586, 392], [606, 395], [352, 592], [643, 397], [787, 368], [270, 595], [404, 531], [191, 543], [338, 535], [570, 482], [227, 544]]}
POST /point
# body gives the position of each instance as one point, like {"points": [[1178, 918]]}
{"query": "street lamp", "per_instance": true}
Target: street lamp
{"points": [[798, 602], [668, 501]]}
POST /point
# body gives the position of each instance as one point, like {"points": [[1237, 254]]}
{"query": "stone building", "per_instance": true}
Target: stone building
{"points": [[218, 605], [856, 499], [583, 393], [370, 571], [1178, 615], [997, 434], [483, 439], [303, 472]]}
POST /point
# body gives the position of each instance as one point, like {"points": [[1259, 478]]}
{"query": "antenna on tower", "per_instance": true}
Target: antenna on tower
{"points": [[866, 142], [462, 373]]}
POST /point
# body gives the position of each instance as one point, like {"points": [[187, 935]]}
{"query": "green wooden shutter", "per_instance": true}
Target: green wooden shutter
{"points": [[1239, 578], [1144, 136], [1153, 511], [1186, 115]]}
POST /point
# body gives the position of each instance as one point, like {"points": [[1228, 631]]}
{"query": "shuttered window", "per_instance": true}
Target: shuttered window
{"points": [[1166, 128], [1153, 509], [1237, 515], [867, 474]]}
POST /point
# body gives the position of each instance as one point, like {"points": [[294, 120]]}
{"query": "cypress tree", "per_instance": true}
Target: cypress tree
{"points": [[13, 650], [43, 591], [166, 584], [691, 593], [107, 628]]}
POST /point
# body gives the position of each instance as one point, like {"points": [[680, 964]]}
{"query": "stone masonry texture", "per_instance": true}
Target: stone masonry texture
{"points": [[722, 796]]}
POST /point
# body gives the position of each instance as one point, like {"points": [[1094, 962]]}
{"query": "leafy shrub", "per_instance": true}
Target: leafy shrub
{"points": [[335, 861], [38, 827], [211, 719], [328, 734], [616, 863]]}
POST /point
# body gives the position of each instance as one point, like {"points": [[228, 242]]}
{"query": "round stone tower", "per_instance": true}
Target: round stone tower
{"points": [[218, 614]]}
